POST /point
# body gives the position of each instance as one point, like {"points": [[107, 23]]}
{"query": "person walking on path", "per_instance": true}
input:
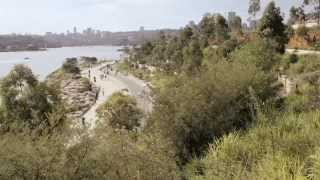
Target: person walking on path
{"points": [[83, 122], [102, 92], [94, 79]]}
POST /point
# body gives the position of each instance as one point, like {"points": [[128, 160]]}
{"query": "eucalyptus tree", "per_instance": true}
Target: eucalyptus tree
{"points": [[29, 104], [316, 5], [272, 28], [254, 8]]}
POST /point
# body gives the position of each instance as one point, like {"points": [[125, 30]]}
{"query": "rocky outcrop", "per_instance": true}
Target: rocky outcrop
{"points": [[79, 94], [289, 85]]}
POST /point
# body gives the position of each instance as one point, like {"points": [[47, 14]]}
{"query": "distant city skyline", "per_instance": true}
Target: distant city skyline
{"points": [[58, 16]]}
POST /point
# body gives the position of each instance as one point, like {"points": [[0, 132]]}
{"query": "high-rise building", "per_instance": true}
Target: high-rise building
{"points": [[231, 16], [75, 30]]}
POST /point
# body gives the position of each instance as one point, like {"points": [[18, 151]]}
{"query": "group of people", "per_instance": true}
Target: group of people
{"points": [[103, 76]]}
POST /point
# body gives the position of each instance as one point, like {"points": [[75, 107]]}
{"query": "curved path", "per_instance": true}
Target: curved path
{"points": [[302, 52], [112, 84]]}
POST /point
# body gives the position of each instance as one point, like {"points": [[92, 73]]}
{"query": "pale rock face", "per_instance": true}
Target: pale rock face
{"points": [[78, 96]]}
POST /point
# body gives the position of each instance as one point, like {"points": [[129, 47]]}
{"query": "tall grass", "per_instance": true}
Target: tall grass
{"points": [[283, 148]]}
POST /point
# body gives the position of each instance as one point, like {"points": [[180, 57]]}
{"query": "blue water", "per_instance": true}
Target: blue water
{"points": [[43, 63]]}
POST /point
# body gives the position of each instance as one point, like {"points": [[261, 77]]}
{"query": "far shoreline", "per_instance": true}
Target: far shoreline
{"points": [[46, 49], [23, 50]]}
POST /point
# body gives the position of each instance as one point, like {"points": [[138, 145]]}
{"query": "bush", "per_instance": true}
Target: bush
{"points": [[120, 111], [228, 47], [71, 66], [302, 31], [317, 46], [293, 58], [89, 60], [192, 112], [109, 155], [28, 104], [260, 52], [306, 64], [274, 149]]}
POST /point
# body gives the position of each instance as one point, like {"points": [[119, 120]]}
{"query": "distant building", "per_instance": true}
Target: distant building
{"points": [[75, 30], [245, 27], [88, 31], [253, 24], [231, 16]]}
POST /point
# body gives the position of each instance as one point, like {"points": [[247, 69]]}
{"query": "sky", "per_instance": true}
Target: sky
{"points": [[40, 16]]}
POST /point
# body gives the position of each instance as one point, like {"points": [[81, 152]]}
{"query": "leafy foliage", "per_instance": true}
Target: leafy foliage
{"points": [[274, 149], [71, 66], [111, 155], [28, 103], [194, 111], [120, 112], [272, 28]]}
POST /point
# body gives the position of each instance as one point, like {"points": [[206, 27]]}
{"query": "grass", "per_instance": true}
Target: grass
{"points": [[283, 148]]}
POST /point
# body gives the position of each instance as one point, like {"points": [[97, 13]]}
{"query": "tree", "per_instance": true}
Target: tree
{"points": [[272, 28], [316, 4], [207, 26], [293, 17], [192, 112], [158, 51], [193, 56], [296, 15], [254, 8], [186, 35], [222, 29], [71, 66], [28, 103], [236, 24], [120, 112], [174, 54]]}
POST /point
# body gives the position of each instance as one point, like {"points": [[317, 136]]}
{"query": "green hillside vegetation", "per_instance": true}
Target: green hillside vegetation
{"points": [[120, 112], [219, 112], [286, 147]]}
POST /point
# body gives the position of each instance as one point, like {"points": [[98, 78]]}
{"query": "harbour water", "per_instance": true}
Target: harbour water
{"points": [[43, 63]]}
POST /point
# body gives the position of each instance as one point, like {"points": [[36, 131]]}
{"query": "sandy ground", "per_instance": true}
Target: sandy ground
{"points": [[112, 84]]}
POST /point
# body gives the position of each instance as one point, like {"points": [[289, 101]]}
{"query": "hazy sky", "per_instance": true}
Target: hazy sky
{"points": [[39, 16]]}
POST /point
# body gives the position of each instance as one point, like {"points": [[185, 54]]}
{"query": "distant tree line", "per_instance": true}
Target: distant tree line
{"points": [[21, 42]]}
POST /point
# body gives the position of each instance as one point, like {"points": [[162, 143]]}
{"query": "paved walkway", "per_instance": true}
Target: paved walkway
{"points": [[112, 84], [302, 52]]}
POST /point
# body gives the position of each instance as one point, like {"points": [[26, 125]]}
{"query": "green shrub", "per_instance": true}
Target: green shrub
{"points": [[306, 64], [293, 58], [317, 46], [71, 66], [27, 103], [194, 111], [302, 31], [120, 111], [108, 155], [275, 149]]}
